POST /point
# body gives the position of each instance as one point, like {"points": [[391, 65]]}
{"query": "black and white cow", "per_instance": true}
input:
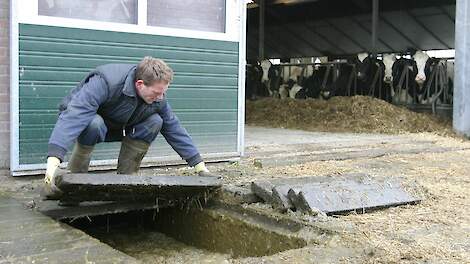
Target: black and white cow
{"points": [[295, 90], [388, 61], [330, 79], [450, 78], [292, 88], [271, 78], [345, 80], [405, 89], [433, 86], [364, 70], [435, 78], [371, 75], [313, 83], [438, 86], [323, 81], [253, 86], [421, 58], [361, 72]]}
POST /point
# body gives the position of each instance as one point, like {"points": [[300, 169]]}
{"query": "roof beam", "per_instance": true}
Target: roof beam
{"points": [[414, 44], [446, 13], [286, 28], [261, 17], [307, 42], [312, 29], [421, 24], [375, 26], [274, 48], [366, 29], [286, 46], [346, 35]]}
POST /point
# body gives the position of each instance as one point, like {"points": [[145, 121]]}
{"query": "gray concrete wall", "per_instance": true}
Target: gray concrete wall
{"points": [[4, 84], [462, 69]]}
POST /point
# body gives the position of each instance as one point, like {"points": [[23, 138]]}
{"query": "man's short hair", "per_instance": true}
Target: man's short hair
{"points": [[151, 70]]}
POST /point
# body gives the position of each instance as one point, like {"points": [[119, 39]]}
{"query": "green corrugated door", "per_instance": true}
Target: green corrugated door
{"points": [[52, 60]]}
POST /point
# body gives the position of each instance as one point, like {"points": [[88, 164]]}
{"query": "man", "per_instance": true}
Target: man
{"points": [[118, 102]]}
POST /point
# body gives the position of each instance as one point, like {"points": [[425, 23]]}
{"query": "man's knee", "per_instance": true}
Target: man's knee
{"points": [[97, 124], [148, 129], [154, 123], [94, 133]]}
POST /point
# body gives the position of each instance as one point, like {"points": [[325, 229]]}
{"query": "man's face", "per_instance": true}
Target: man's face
{"points": [[153, 92]]}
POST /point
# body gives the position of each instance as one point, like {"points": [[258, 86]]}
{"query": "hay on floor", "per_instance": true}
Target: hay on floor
{"points": [[358, 114]]}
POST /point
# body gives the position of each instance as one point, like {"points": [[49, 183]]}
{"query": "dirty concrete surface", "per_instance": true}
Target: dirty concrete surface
{"points": [[435, 231]]}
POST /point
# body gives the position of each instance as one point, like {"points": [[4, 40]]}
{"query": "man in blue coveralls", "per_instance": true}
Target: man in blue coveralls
{"points": [[118, 102]]}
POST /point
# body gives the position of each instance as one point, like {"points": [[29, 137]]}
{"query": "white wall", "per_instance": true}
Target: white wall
{"points": [[4, 84]]}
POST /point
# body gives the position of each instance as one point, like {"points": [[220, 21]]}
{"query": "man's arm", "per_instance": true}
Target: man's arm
{"points": [[178, 137], [79, 113]]}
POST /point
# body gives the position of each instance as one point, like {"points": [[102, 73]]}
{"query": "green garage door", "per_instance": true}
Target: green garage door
{"points": [[204, 93]]}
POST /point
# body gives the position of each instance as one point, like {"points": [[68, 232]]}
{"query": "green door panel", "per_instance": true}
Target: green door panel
{"points": [[204, 93]]}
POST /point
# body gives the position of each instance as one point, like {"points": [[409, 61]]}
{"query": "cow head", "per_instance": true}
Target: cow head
{"points": [[296, 73], [362, 56], [362, 66], [265, 65], [388, 60], [421, 58]]}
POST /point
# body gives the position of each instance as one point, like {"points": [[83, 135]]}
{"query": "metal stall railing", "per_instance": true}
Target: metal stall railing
{"points": [[331, 72], [435, 96]]}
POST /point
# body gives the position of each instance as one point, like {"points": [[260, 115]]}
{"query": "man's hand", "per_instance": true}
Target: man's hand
{"points": [[50, 190], [202, 170], [51, 170]]}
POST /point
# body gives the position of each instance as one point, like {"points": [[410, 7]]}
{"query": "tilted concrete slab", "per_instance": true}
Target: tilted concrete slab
{"points": [[333, 194], [85, 209], [264, 189], [280, 199], [275, 191], [26, 236], [350, 195], [127, 188]]}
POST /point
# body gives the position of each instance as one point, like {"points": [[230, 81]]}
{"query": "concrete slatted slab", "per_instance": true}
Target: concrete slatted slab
{"points": [[275, 191], [333, 194], [349, 195], [54, 210], [27, 236], [119, 187], [280, 199], [263, 189]]}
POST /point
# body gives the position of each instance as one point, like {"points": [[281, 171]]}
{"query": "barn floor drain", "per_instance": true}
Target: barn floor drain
{"points": [[215, 229]]}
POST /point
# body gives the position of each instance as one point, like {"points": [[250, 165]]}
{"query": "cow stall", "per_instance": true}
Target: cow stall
{"points": [[380, 37]]}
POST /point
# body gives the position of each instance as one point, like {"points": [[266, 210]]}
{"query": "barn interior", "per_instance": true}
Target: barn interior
{"points": [[305, 33], [296, 29]]}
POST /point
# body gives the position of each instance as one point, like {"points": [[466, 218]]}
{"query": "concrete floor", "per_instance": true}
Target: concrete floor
{"points": [[261, 136], [287, 153]]}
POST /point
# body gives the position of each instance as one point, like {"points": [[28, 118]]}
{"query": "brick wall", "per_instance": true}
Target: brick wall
{"points": [[4, 84]]}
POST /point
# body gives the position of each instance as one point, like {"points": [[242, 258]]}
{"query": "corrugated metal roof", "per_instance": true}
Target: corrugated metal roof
{"points": [[336, 27]]}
